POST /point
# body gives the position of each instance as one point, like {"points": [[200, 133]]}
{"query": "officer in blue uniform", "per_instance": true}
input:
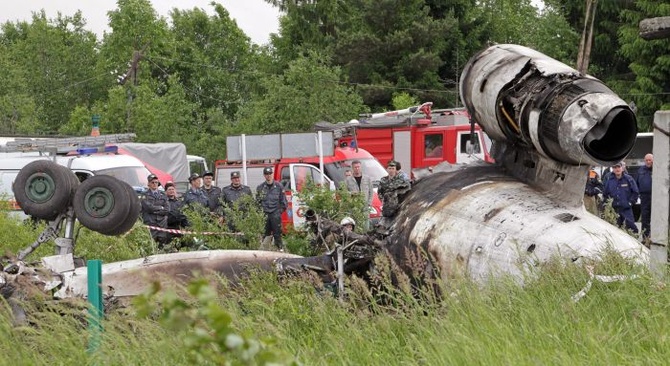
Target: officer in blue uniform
{"points": [[195, 196], [155, 210], [271, 197], [643, 181], [622, 189]]}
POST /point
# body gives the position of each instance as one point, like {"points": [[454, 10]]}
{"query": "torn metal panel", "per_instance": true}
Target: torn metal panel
{"points": [[132, 277]]}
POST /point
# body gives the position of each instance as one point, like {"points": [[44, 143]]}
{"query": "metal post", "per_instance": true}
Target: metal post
{"points": [[320, 147], [65, 245], [244, 159], [340, 271], [660, 193], [95, 311]]}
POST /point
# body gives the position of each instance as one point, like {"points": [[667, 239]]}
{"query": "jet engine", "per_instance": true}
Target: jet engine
{"points": [[527, 99]]}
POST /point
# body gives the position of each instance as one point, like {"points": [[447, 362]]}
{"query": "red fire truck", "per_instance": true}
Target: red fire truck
{"points": [[418, 137], [295, 159]]}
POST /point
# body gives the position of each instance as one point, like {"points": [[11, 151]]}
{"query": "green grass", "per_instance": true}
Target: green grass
{"points": [[500, 323]]}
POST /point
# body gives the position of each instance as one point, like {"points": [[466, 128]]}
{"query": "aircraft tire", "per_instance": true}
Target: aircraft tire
{"points": [[44, 189], [101, 204], [133, 212]]}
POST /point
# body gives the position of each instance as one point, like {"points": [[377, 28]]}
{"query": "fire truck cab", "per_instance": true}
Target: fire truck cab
{"points": [[418, 137], [294, 166]]}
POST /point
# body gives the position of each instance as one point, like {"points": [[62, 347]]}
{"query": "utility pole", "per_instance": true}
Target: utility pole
{"points": [[132, 74], [650, 29], [587, 37]]}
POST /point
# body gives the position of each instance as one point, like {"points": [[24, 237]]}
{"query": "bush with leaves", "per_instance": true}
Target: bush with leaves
{"points": [[248, 220], [205, 327], [331, 205], [335, 205]]}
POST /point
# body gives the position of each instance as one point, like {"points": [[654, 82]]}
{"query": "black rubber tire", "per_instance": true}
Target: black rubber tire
{"points": [[101, 203], [133, 212], [44, 189]]}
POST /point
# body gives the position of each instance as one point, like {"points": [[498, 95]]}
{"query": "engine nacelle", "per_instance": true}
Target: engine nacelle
{"points": [[527, 99]]}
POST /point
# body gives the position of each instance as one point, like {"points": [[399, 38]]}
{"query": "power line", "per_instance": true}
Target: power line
{"points": [[331, 81]]}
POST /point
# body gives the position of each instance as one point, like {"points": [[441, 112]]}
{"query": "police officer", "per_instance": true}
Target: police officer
{"points": [[195, 196], [212, 192], [176, 218], [233, 192], [154, 206], [622, 189], [643, 181], [270, 195]]}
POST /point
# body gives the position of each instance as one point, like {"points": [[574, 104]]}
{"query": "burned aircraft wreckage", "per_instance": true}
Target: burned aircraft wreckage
{"points": [[549, 123]]}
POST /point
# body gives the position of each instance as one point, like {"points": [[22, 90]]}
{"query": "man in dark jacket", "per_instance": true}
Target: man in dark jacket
{"points": [[643, 181], [271, 197], [230, 194], [195, 196], [176, 218], [213, 193], [622, 189], [155, 210]]}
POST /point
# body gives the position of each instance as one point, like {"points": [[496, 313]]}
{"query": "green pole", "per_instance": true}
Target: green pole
{"points": [[95, 311]]}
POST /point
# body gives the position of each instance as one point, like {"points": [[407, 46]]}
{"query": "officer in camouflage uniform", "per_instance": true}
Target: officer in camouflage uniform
{"points": [[392, 190]]}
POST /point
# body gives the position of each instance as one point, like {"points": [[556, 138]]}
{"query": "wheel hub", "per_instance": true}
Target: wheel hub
{"points": [[40, 188], [99, 202]]}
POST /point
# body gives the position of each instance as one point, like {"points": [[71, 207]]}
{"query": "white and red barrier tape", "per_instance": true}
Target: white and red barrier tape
{"points": [[189, 232]]}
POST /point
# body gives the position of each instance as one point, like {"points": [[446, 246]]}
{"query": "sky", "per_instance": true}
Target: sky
{"points": [[255, 17]]}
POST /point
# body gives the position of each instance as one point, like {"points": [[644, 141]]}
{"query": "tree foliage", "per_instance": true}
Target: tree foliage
{"points": [[307, 92], [49, 62], [195, 77], [649, 61]]}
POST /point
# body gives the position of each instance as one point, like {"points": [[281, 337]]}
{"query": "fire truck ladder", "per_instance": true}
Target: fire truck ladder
{"points": [[64, 145]]}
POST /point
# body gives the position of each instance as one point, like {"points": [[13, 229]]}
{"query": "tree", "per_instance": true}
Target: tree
{"points": [[135, 27], [383, 46], [58, 77], [415, 46], [17, 107], [606, 61], [138, 34], [309, 91], [213, 59], [649, 61]]}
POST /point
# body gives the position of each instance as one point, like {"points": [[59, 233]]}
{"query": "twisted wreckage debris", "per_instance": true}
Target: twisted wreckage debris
{"points": [[548, 124]]}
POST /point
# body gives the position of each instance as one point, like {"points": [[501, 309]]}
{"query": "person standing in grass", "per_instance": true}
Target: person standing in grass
{"points": [[622, 190], [271, 197], [643, 181]]}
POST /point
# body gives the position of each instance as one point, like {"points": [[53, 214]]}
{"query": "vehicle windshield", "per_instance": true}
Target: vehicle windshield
{"points": [[371, 167], [135, 176]]}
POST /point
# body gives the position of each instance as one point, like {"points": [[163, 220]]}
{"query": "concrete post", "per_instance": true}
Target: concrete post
{"points": [[660, 194]]}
